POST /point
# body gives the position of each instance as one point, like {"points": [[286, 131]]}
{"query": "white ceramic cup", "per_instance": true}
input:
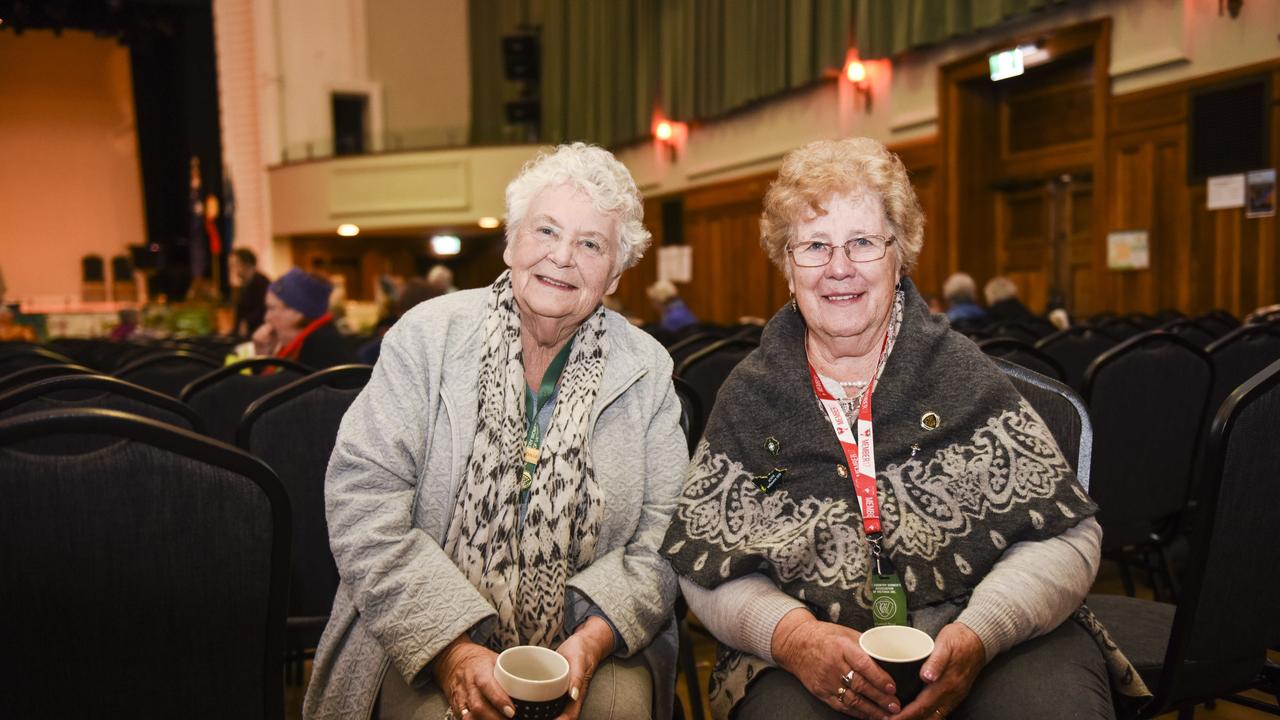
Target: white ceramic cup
{"points": [[532, 674], [901, 651]]}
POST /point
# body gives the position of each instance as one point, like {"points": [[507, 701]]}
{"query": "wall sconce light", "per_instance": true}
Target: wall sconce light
{"points": [[348, 230], [856, 73], [671, 134]]}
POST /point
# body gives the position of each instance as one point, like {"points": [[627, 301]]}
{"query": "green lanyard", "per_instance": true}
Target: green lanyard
{"points": [[533, 436]]}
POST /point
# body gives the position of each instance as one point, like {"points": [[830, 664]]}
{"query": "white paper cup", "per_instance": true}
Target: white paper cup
{"points": [[536, 678], [901, 651]]}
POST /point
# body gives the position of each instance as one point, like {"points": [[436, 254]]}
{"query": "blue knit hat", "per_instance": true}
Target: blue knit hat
{"points": [[303, 292]]}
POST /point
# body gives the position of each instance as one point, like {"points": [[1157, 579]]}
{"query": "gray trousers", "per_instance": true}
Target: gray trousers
{"points": [[1059, 676], [621, 689]]}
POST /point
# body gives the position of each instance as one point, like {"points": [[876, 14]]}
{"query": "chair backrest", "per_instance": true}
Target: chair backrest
{"points": [[1014, 329], [1074, 348], [708, 368], [20, 358], [1120, 328], [1062, 410], [692, 417], [692, 343], [1226, 615], [1192, 330], [1238, 356], [167, 372], [149, 575], [80, 391], [293, 429], [1147, 398], [221, 397], [18, 378], [1021, 353], [1219, 322]]}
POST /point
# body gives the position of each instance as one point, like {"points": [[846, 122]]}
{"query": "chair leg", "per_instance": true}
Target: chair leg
{"points": [[1166, 564], [1126, 577], [689, 668]]}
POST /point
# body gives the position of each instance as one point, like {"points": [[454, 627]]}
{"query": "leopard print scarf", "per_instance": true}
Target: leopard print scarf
{"points": [[522, 569]]}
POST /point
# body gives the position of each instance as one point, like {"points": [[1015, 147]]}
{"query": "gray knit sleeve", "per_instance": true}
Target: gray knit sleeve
{"points": [[1034, 587], [741, 613]]}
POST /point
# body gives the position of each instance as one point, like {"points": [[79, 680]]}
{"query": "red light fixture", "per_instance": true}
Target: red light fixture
{"points": [[856, 71]]}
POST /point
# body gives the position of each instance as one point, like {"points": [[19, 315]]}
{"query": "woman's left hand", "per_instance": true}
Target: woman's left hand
{"points": [[958, 656], [590, 644]]}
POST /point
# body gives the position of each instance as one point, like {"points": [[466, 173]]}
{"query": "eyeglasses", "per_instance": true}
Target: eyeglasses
{"points": [[864, 248]]}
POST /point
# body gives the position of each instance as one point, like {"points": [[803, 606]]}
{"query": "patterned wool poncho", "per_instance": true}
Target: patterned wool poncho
{"points": [[953, 497]]}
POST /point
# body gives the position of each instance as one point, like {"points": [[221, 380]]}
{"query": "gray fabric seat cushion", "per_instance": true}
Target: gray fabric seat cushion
{"points": [[1141, 629]]}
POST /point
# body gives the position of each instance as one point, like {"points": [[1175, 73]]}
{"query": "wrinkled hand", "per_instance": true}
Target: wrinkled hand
{"points": [[819, 654], [958, 656], [464, 671], [585, 649]]}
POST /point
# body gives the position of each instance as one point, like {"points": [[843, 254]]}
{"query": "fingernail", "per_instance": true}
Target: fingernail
{"points": [[929, 675], [893, 708], [574, 694], [890, 689], [508, 711]]}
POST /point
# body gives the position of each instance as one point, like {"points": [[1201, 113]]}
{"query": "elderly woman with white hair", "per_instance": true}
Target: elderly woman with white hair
{"points": [[507, 476]]}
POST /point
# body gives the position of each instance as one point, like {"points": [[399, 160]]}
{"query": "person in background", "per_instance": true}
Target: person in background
{"points": [[251, 299], [440, 278], [1002, 301], [961, 294], [675, 315], [128, 326], [297, 323], [11, 330]]}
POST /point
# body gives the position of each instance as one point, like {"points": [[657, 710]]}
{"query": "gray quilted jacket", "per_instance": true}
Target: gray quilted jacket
{"points": [[401, 453]]}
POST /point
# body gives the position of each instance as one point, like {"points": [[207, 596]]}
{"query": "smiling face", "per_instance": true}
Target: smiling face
{"points": [[563, 256], [844, 301]]}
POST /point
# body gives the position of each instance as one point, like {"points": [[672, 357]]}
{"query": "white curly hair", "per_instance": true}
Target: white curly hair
{"points": [[596, 172]]}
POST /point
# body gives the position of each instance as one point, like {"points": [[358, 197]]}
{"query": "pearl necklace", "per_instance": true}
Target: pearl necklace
{"points": [[853, 383]]}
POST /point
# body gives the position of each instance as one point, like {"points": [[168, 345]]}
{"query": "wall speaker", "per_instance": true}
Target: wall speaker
{"points": [[520, 57]]}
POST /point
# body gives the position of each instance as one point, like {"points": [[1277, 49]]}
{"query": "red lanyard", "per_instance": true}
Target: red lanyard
{"points": [[859, 450]]}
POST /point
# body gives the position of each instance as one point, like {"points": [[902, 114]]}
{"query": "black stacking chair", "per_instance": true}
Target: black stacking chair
{"points": [[1214, 643], [1147, 400], [708, 368], [1192, 330], [693, 342], [1238, 356], [1014, 329], [1218, 322], [1062, 411], [168, 372], [19, 378], [1022, 353], [1074, 348], [293, 429], [691, 421], [221, 397], [692, 416], [1120, 328], [1143, 320], [82, 391], [146, 579], [25, 356]]}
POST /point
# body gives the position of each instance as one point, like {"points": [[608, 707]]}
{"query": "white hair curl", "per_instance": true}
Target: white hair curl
{"points": [[598, 174]]}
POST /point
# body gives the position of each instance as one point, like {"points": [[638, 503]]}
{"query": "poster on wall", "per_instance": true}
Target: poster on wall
{"points": [[1260, 194], [1225, 192], [1128, 250], [675, 263]]}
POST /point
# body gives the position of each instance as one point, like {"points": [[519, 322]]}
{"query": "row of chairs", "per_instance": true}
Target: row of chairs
{"points": [[286, 421]]}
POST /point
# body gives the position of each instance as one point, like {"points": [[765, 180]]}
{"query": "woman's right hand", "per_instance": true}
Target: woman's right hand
{"points": [[464, 671], [820, 654], [264, 340]]}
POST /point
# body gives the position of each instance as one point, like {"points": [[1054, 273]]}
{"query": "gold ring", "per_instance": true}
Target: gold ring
{"points": [[840, 693]]}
